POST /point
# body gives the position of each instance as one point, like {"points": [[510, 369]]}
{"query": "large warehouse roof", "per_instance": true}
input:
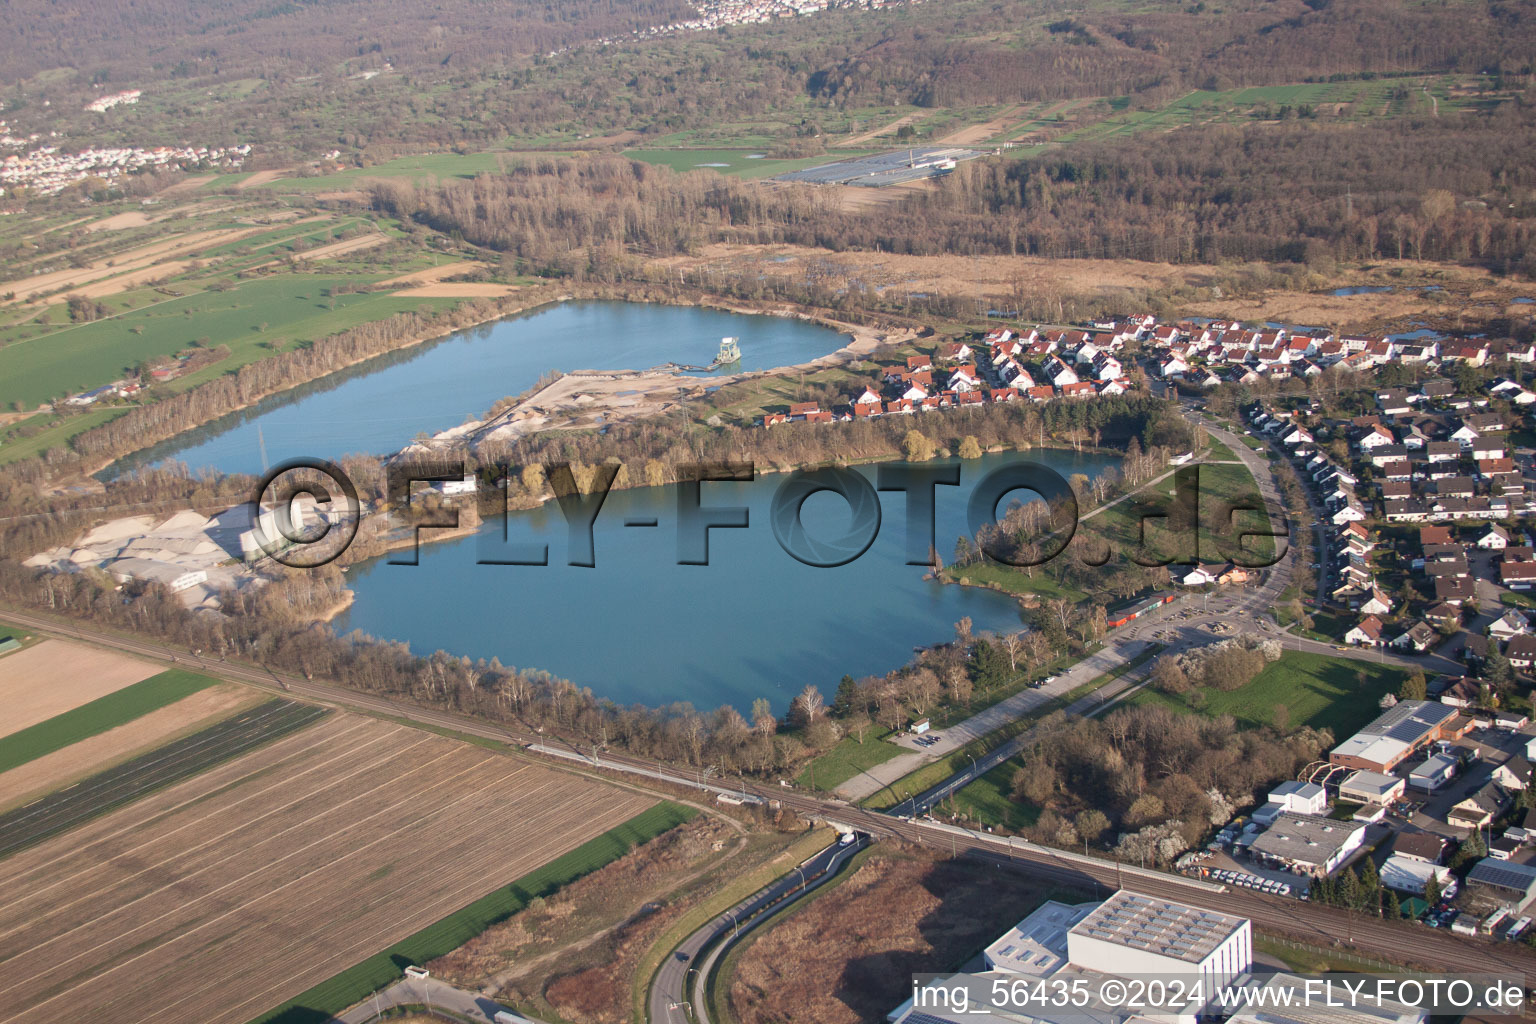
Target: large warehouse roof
{"points": [[1400, 728], [1158, 926]]}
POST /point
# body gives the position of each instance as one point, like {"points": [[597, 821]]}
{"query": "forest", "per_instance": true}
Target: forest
{"points": [[1304, 193], [290, 77]]}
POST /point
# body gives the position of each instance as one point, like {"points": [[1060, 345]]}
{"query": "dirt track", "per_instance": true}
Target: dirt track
{"points": [[220, 897], [49, 678]]}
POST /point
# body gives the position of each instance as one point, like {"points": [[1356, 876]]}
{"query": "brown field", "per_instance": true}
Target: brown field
{"points": [[865, 137], [218, 898], [62, 767], [847, 958], [116, 222], [997, 278], [432, 275], [260, 178], [972, 134], [111, 278], [460, 290], [51, 677]]}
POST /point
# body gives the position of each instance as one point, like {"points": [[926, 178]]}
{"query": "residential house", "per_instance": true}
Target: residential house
{"points": [[1517, 575], [1479, 808], [1508, 625], [1376, 603], [1521, 651], [1418, 638], [1365, 633], [1514, 774], [1453, 589]]}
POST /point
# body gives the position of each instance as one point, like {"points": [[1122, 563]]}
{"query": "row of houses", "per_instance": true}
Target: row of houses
{"points": [[1204, 355], [1001, 367]]}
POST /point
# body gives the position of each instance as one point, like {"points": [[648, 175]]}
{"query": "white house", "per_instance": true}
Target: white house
{"points": [[1510, 624], [1495, 539], [1376, 603], [1366, 634], [1350, 513], [1293, 796]]}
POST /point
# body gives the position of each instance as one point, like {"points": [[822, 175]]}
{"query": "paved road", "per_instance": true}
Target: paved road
{"points": [[1389, 940], [424, 992], [681, 983]]}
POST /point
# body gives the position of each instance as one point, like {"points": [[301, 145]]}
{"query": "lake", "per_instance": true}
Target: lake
{"points": [[638, 627], [379, 406]]}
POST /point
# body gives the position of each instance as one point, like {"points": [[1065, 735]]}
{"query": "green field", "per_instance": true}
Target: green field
{"points": [[252, 318], [986, 800], [743, 163], [415, 168], [99, 715], [847, 759], [330, 997], [1318, 690]]}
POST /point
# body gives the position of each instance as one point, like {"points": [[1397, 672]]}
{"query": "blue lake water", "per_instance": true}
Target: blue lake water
{"points": [[638, 627], [379, 406]]}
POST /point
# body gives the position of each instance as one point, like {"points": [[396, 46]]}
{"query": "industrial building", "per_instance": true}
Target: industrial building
{"points": [[1293, 796], [884, 168], [1127, 934], [148, 570], [1513, 885], [1308, 844], [1372, 788], [1399, 732]]}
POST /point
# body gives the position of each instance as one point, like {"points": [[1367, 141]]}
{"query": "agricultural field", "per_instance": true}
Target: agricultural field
{"points": [[51, 677], [286, 866], [1316, 690], [145, 732], [223, 281], [98, 716], [159, 767]]}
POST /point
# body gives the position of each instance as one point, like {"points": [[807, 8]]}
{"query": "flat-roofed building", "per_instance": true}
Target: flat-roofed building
{"points": [[1308, 844], [1436, 771], [1134, 934], [1372, 788], [1299, 797], [1397, 733], [1037, 945], [1129, 933], [1410, 875]]}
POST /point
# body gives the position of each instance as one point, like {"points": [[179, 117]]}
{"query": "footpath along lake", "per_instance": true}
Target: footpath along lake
{"points": [[377, 407], [638, 627]]}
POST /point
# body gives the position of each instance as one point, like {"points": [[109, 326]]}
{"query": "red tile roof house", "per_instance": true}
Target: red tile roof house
{"points": [[1518, 575]]}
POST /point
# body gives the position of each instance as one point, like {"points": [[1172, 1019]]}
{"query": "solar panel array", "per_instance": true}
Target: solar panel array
{"points": [[1506, 876], [1157, 926]]}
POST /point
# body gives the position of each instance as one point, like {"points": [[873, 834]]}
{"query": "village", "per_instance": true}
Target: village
{"points": [[713, 14], [47, 171]]}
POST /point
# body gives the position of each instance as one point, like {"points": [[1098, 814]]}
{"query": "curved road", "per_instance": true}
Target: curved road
{"points": [[671, 999]]}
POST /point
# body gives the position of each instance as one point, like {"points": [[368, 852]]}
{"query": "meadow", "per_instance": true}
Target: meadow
{"points": [[1317, 690]]}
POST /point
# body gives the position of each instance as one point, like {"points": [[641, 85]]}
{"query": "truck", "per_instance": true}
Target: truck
{"points": [[508, 1017]]}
